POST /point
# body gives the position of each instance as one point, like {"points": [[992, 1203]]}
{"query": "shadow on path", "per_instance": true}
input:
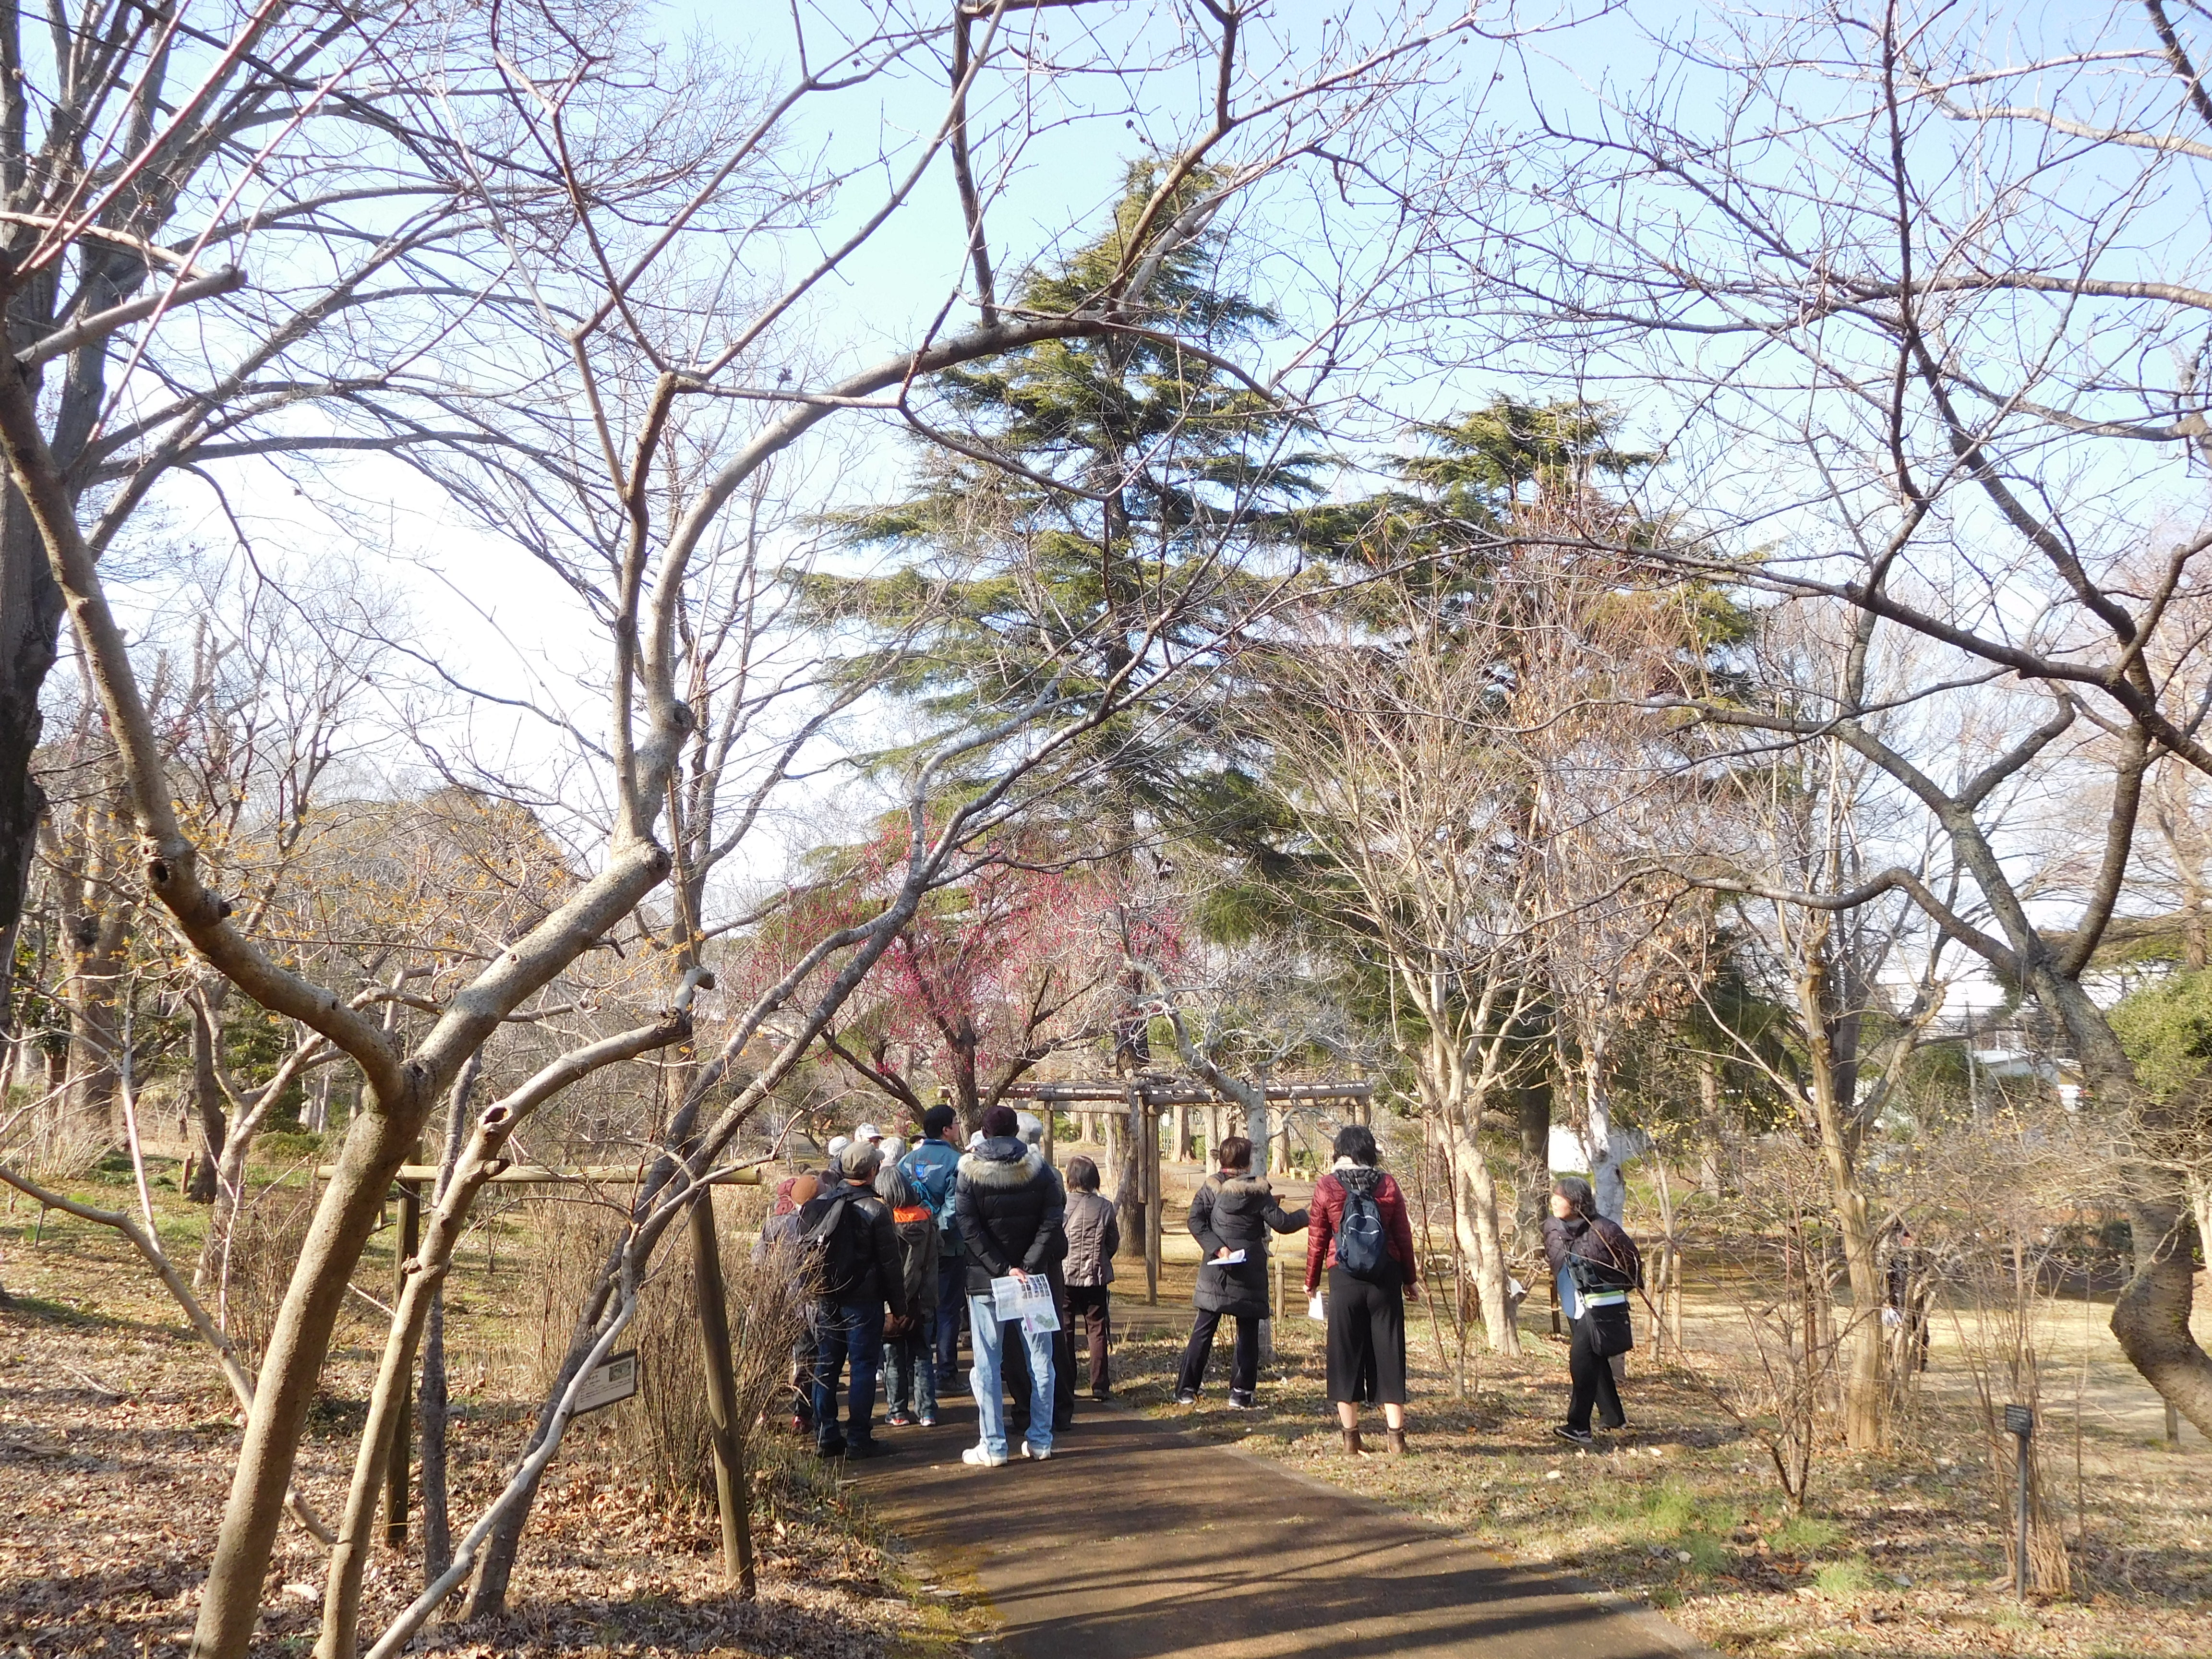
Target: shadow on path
{"points": [[1137, 1541]]}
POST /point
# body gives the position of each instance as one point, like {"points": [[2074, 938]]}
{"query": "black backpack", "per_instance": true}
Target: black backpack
{"points": [[835, 1249], [1361, 1246]]}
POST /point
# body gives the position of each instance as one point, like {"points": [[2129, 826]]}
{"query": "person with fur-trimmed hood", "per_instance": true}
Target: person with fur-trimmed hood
{"points": [[1230, 1218], [1011, 1208]]}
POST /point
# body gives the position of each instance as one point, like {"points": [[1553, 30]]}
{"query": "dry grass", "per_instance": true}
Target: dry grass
{"points": [[1899, 1557], [117, 1442]]}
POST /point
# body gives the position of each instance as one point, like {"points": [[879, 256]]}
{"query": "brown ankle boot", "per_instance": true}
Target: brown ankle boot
{"points": [[1395, 1438], [1351, 1446]]}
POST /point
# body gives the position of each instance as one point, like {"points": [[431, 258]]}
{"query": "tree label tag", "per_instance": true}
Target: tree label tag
{"points": [[610, 1383]]}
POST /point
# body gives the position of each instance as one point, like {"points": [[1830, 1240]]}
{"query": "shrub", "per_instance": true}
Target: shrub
{"points": [[664, 1434]]}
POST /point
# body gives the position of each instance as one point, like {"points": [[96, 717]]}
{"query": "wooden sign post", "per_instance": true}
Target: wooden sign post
{"points": [[403, 1439], [2020, 1423]]}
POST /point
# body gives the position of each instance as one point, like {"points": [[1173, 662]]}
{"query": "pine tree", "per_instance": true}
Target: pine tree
{"points": [[1092, 513]]}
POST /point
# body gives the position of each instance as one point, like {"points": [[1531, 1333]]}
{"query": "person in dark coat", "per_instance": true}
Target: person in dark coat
{"points": [[849, 1322], [1230, 1218], [1094, 1238], [1011, 1208], [779, 1235], [909, 1347], [1015, 1371], [1575, 1229], [1366, 1316], [933, 1167]]}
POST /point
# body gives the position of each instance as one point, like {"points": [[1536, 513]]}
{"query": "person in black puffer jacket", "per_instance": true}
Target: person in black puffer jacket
{"points": [[1233, 1213], [862, 1251], [1011, 1208]]}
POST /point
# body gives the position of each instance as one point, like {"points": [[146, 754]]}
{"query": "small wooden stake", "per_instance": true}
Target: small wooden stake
{"points": [[403, 1439], [730, 1495]]}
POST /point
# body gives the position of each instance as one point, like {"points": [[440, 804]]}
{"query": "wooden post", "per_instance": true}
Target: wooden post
{"points": [[730, 1495], [1155, 1201], [1181, 1130], [1046, 1113], [402, 1439]]}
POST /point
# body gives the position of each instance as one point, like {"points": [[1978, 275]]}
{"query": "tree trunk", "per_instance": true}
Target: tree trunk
{"points": [[95, 1035], [1532, 1108], [230, 1604], [1596, 1133], [2150, 1317], [30, 631], [210, 1128], [1710, 1127], [1129, 1178], [1475, 1217]]}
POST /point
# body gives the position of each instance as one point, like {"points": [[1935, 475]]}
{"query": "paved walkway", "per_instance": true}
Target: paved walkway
{"points": [[1138, 1541]]}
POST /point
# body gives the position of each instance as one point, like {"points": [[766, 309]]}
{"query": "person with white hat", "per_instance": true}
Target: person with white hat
{"points": [[869, 1132]]}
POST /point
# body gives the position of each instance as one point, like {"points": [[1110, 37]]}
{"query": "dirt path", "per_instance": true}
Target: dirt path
{"points": [[1138, 1541]]}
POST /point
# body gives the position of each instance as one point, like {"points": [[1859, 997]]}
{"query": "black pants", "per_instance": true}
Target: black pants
{"points": [[1095, 1303], [1243, 1363], [1593, 1383], [1367, 1338]]}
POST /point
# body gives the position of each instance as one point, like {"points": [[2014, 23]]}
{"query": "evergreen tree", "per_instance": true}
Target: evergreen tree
{"points": [[1091, 515]]}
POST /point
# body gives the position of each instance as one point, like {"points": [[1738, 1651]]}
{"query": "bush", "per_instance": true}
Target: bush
{"points": [[664, 1434], [266, 1237]]}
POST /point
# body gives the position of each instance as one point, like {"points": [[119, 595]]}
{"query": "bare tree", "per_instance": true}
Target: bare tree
{"points": [[1925, 295], [625, 285]]}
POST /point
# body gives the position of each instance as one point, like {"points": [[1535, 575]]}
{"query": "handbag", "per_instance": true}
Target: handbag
{"points": [[1603, 1292]]}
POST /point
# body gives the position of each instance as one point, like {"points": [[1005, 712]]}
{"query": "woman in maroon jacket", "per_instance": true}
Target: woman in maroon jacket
{"points": [[1366, 1311]]}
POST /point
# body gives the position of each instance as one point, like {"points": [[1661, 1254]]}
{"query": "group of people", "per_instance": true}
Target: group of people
{"points": [[904, 1252]]}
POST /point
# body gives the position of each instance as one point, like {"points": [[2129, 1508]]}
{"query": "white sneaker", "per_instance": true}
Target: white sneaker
{"points": [[983, 1457], [1035, 1453]]}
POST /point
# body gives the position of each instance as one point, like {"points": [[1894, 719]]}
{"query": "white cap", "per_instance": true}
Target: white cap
{"points": [[974, 1140], [1029, 1127], [893, 1149], [838, 1144], [866, 1131]]}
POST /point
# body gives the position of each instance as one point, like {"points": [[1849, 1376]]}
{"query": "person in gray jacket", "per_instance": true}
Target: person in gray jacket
{"points": [[1094, 1239]]}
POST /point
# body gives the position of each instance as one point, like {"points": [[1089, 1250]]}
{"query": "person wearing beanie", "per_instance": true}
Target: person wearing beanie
{"points": [[1011, 1209], [779, 1238], [854, 1243], [933, 1168], [1031, 1128]]}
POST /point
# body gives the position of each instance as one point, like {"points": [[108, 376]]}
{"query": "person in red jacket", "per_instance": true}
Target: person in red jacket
{"points": [[1366, 1310]]}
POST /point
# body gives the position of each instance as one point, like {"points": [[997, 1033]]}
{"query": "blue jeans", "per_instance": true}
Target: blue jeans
{"points": [[989, 1338], [910, 1371], [951, 1298], [847, 1331]]}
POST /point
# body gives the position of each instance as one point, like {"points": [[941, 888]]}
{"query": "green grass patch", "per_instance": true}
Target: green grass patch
{"points": [[1805, 1534], [1840, 1581]]}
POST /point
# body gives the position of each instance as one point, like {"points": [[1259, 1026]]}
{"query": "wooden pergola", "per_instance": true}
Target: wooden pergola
{"points": [[1144, 1096]]}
